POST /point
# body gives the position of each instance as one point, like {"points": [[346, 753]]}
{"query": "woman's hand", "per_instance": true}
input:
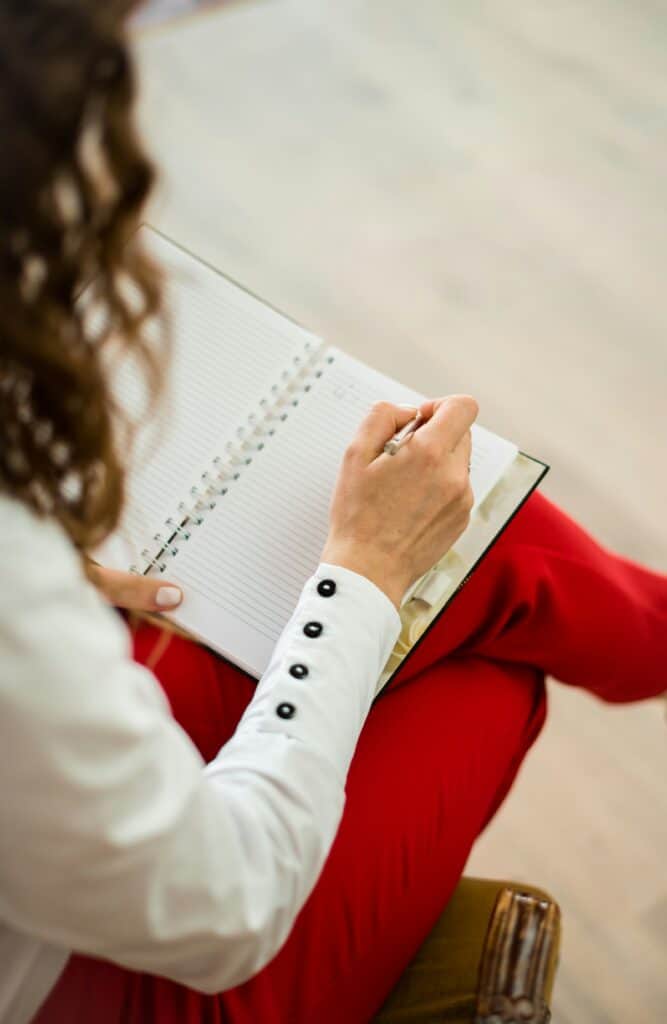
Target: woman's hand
{"points": [[135, 593], [392, 517]]}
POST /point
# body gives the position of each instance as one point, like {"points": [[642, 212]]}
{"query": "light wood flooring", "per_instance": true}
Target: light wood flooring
{"points": [[471, 196]]}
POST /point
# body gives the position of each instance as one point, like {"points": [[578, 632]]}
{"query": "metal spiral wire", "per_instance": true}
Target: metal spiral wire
{"points": [[250, 439]]}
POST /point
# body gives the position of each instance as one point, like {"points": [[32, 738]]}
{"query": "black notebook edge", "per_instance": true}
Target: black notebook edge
{"points": [[228, 277], [533, 487]]}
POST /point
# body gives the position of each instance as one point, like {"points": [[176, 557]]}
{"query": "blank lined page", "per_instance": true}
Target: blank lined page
{"points": [[244, 568], [228, 350]]}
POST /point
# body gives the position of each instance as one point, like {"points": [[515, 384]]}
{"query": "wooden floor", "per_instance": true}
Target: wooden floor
{"points": [[472, 196]]}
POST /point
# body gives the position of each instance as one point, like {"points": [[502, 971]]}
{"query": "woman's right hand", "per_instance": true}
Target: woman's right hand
{"points": [[392, 517]]}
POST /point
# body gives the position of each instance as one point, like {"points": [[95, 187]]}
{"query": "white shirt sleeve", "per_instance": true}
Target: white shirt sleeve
{"points": [[115, 839]]}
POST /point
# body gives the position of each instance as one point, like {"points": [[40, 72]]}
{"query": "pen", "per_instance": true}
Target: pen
{"points": [[401, 437]]}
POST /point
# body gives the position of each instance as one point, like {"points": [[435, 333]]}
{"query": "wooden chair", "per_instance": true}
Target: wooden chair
{"points": [[490, 959]]}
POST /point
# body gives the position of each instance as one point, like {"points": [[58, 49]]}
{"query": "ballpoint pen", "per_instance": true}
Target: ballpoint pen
{"points": [[399, 439]]}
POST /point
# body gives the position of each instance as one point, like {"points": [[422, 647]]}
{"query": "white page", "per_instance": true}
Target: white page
{"points": [[244, 568], [228, 349]]}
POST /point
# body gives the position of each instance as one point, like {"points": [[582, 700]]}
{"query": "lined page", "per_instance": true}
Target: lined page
{"points": [[228, 349], [244, 568]]}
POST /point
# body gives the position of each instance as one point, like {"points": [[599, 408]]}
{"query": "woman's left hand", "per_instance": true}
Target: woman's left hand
{"points": [[134, 593]]}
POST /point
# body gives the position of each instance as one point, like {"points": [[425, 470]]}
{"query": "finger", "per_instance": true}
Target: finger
{"points": [[379, 425], [428, 408], [464, 449], [455, 464], [451, 418], [455, 470], [136, 593]]}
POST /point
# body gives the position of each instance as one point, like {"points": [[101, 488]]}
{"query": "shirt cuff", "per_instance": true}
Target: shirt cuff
{"points": [[325, 669]]}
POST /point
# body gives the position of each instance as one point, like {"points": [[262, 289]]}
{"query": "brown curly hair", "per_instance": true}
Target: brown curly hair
{"points": [[73, 181]]}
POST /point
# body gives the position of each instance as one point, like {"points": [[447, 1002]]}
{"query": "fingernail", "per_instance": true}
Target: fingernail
{"points": [[402, 405], [167, 597]]}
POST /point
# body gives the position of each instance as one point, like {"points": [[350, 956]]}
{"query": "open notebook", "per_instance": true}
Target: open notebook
{"points": [[233, 502]]}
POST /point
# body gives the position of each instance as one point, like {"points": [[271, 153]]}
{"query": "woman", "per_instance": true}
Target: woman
{"points": [[174, 844]]}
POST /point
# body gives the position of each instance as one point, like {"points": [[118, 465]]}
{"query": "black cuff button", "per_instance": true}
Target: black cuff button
{"points": [[326, 588], [312, 628], [298, 671], [286, 710]]}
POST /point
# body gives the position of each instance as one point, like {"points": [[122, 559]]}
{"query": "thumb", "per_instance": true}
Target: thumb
{"points": [[378, 426], [135, 593]]}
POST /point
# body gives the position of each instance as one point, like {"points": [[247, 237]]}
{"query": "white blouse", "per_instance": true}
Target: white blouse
{"points": [[116, 839]]}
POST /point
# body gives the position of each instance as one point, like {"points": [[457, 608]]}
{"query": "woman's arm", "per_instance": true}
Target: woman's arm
{"points": [[115, 840]]}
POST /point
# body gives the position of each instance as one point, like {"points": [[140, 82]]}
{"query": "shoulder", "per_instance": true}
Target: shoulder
{"points": [[45, 598], [65, 655], [41, 568], [33, 550]]}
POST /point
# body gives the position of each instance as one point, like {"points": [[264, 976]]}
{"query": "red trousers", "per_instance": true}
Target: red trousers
{"points": [[437, 755]]}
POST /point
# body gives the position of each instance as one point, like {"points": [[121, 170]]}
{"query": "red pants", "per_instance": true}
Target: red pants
{"points": [[434, 761]]}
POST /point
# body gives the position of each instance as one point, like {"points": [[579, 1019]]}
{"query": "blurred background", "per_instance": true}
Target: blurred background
{"points": [[470, 196], [156, 11]]}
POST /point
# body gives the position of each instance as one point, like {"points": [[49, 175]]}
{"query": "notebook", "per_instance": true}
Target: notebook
{"points": [[232, 500]]}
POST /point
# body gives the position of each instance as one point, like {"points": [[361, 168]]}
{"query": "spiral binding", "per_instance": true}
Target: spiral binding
{"points": [[252, 437]]}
